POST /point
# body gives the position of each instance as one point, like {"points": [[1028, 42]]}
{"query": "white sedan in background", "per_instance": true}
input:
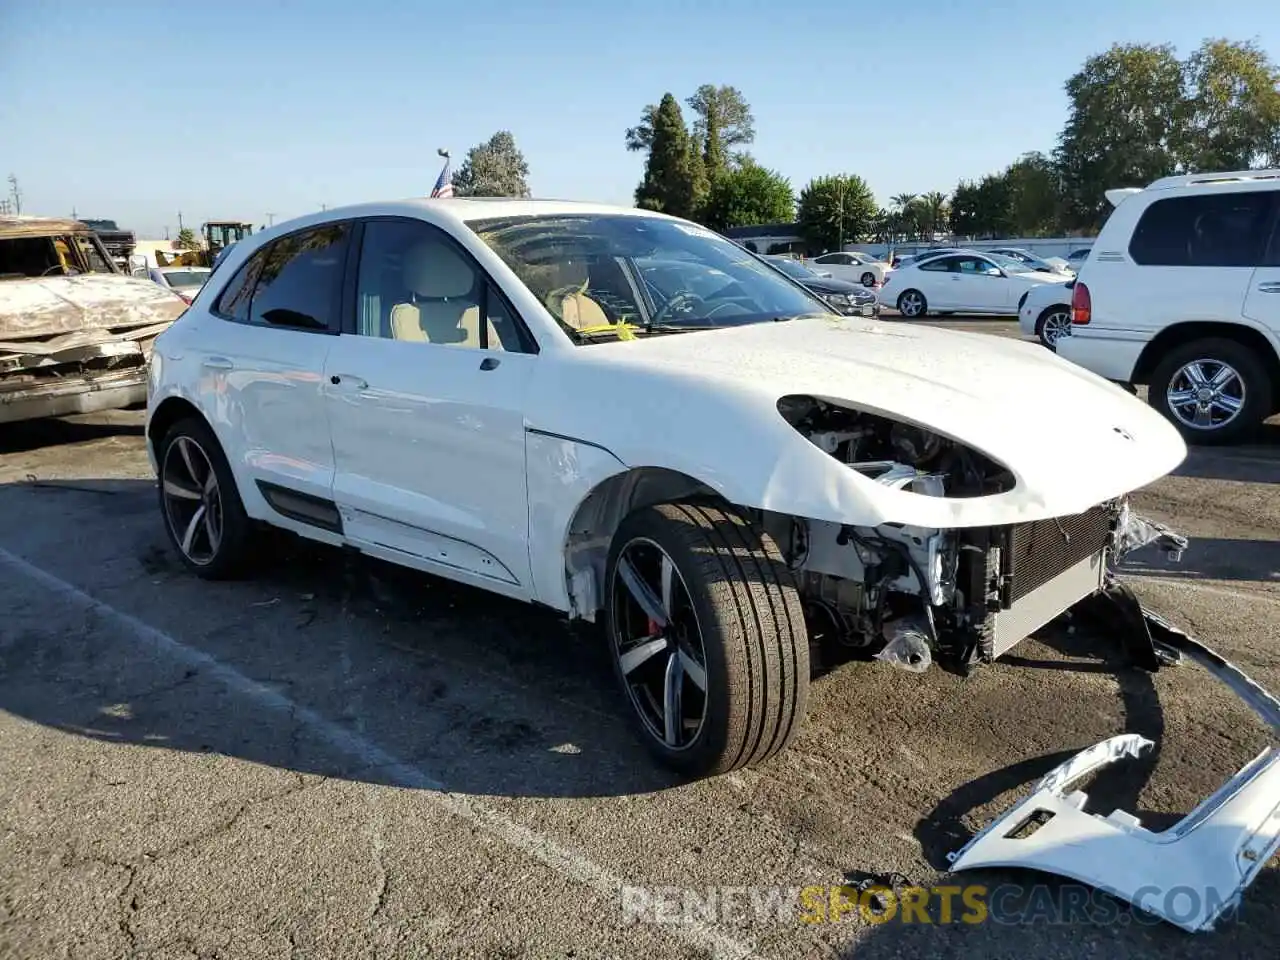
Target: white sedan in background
{"points": [[961, 282], [1045, 312], [852, 265]]}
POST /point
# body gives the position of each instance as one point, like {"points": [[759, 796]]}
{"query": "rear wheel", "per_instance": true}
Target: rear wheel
{"points": [[912, 304], [1215, 391], [202, 510], [1054, 324], [708, 637], [868, 279]]}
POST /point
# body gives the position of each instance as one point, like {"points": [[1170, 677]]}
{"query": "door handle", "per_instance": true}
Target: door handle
{"points": [[218, 363], [1269, 288], [345, 379]]}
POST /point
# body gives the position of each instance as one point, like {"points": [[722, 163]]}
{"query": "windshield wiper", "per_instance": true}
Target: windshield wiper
{"points": [[803, 316]]}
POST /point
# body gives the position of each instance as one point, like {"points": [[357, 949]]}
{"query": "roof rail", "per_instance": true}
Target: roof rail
{"points": [[1228, 176]]}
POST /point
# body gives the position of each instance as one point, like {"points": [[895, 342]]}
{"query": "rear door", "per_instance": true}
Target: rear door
{"points": [[262, 360], [1262, 302]]}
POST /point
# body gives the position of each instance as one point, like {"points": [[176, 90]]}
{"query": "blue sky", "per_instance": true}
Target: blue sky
{"points": [[138, 109]]}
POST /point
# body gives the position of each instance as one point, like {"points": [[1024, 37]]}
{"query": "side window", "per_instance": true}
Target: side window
{"points": [[415, 284], [979, 266], [233, 301], [299, 283], [1212, 230], [941, 265]]}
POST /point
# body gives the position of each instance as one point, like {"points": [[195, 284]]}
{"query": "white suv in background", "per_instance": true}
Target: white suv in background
{"points": [[1181, 292]]}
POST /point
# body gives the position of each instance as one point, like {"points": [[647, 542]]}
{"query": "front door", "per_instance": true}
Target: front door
{"points": [[425, 397]]}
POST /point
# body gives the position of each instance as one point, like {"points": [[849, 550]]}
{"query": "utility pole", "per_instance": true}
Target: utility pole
{"points": [[166, 231], [840, 227], [271, 219], [324, 207], [179, 221]]}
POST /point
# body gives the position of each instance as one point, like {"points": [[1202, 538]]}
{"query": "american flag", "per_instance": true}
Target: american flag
{"points": [[444, 183]]}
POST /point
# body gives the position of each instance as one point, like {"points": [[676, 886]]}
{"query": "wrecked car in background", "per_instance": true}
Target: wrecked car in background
{"points": [[75, 333]]}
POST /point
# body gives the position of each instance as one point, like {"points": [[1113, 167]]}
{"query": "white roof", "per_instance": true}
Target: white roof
{"points": [[463, 209]]}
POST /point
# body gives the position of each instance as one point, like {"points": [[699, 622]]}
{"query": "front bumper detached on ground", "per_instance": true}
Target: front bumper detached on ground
{"points": [[1192, 874]]}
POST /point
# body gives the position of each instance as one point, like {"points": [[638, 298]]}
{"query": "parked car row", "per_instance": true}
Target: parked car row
{"points": [[968, 281]]}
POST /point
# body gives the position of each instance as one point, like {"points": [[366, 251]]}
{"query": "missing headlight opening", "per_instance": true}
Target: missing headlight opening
{"points": [[900, 455], [910, 595]]}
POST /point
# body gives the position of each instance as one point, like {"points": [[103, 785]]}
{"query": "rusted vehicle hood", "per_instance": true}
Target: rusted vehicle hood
{"points": [[103, 304]]}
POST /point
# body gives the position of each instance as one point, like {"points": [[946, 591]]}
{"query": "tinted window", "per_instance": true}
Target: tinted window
{"points": [[1212, 230], [233, 302], [300, 281], [941, 264], [416, 284]]}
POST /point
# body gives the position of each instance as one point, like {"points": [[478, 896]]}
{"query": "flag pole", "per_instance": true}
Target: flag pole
{"points": [[444, 153]]}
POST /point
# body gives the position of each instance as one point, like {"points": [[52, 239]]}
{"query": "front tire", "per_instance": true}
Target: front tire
{"points": [[912, 304], [203, 514], [708, 637], [1215, 391]]}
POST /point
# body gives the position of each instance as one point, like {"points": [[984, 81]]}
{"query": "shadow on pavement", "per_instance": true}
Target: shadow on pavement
{"points": [[483, 695], [28, 435]]}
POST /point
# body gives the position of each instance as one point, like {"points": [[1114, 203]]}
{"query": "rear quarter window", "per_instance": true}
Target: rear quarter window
{"points": [[1209, 230]]}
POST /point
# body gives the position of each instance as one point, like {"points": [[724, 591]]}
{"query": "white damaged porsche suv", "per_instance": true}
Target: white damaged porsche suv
{"points": [[728, 476]]}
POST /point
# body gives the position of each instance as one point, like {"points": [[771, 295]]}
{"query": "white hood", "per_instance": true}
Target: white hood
{"points": [[1071, 439]]}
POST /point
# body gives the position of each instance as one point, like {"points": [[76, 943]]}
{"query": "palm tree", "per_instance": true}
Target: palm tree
{"points": [[933, 213], [905, 204]]}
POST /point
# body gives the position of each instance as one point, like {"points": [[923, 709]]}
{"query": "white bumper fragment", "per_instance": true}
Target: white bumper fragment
{"points": [[1191, 874]]}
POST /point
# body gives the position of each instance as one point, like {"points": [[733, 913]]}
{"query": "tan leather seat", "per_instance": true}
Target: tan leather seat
{"points": [[444, 309], [579, 311]]}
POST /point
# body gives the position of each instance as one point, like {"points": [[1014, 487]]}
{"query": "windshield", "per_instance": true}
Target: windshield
{"points": [[611, 273], [861, 257], [52, 256], [793, 269], [1009, 264], [187, 278]]}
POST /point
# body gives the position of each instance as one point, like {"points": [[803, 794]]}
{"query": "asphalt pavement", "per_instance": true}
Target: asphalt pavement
{"points": [[338, 758]]}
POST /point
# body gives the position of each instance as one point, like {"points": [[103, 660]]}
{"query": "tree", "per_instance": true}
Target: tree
{"points": [[187, 240], [669, 181], [640, 137], [1035, 196], [837, 209], [1124, 127], [931, 212], [722, 121], [748, 195], [495, 168], [1232, 118]]}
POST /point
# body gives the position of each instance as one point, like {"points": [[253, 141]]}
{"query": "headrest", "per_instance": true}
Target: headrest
{"points": [[434, 269]]}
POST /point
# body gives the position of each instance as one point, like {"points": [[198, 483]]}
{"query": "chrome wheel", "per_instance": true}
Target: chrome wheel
{"points": [[1206, 394], [911, 304], [1056, 326], [658, 644], [192, 500]]}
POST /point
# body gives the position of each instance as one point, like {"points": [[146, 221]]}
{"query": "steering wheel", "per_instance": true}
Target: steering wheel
{"points": [[682, 300]]}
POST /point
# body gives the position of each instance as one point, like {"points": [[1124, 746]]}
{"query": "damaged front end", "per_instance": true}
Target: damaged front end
{"points": [[913, 595], [78, 344]]}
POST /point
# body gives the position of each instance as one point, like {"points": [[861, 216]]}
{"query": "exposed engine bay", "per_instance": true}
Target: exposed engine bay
{"points": [[913, 595]]}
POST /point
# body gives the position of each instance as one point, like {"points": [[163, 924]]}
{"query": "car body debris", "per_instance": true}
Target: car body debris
{"points": [[1193, 873]]}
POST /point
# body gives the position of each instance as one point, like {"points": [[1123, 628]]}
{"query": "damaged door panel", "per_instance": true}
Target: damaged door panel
{"points": [[1191, 874], [75, 335]]}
